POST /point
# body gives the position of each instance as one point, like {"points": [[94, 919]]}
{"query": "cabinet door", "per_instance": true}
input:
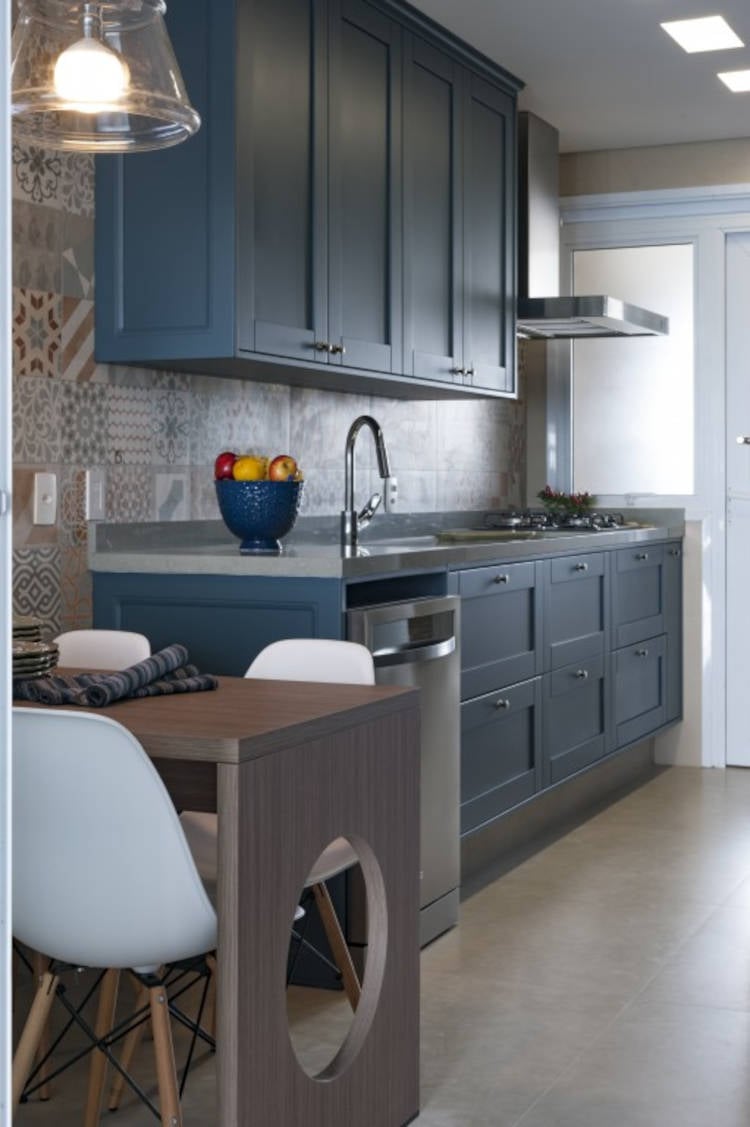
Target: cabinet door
{"points": [[638, 593], [282, 144], [365, 301], [673, 627], [500, 626], [576, 719], [639, 689], [433, 206], [576, 610], [500, 752], [489, 236]]}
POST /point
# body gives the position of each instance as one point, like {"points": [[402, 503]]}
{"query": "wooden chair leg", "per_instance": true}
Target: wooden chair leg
{"points": [[166, 1071], [129, 1049], [339, 949], [39, 964], [105, 1019], [36, 1023], [209, 1020]]}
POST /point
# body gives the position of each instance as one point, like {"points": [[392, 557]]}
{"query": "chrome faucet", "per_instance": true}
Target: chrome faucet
{"points": [[351, 521]]}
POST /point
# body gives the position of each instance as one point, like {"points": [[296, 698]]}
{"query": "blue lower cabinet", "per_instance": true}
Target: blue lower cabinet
{"points": [[576, 729], [501, 744], [223, 620], [639, 689]]}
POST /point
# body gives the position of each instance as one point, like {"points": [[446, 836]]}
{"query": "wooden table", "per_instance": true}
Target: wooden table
{"points": [[289, 766]]}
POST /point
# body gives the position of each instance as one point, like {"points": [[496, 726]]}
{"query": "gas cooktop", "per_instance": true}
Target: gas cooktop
{"points": [[539, 520]]}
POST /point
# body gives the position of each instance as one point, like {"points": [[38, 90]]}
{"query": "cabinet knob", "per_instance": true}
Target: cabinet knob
{"points": [[641, 653], [458, 371], [674, 551], [503, 577], [502, 703], [337, 349], [743, 439], [580, 567], [582, 674], [322, 346], [641, 555], [470, 371]]}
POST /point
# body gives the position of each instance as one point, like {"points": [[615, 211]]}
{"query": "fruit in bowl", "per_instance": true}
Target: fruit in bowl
{"points": [[256, 508]]}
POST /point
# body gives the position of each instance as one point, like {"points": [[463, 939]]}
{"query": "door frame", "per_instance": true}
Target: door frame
{"points": [[704, 217]]}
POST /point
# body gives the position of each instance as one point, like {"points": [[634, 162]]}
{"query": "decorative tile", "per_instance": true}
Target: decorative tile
{"points": [[469, 435], [468, 489], [76, 611], [36, 174], [417, 491], [171, 425], [37, 234], [36, 333], [203, 503], [77, 338], [129, 493], [36, 585], [319, 422], [78, 256], [130, 435], [72, 507], [36, 421], [26, 534], [409, 431], [323, 493], [171, 496], [83, 423], [77, 183]]}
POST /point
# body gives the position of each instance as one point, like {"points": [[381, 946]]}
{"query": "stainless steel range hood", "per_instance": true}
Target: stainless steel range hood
{"points": [[542, 314]]}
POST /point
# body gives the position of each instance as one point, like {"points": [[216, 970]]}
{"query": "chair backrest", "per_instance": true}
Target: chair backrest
{"points": [[102, 649], [102, 873], [314, 659]]}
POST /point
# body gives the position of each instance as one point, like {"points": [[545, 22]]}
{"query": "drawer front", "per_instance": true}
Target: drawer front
{"points": [[638, 594], [576, 609], [500, 627], [500, 752], [639, 685], [576, 721]]}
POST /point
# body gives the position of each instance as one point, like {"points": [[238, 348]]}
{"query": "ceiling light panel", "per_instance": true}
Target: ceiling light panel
{"points": [[738, 81], [707, 33]]}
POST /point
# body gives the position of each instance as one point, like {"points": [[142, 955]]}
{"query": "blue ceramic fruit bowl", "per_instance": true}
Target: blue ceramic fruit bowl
{"points": [[259, 513]]}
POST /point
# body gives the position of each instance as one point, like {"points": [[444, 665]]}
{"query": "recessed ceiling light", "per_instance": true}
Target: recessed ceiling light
{"points": [[738, 81], [707, 33]]}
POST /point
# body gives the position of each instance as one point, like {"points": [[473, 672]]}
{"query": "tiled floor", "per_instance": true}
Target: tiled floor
{"points": [[603, 983]]}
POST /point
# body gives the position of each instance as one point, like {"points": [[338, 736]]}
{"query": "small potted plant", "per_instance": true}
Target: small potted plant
{"points": [[560, 504]]}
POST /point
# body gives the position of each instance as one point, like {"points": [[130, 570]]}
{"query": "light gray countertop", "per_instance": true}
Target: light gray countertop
{"points": [[405, 543]]}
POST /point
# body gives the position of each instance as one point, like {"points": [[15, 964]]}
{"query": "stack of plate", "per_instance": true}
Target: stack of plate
{"points": [[27, 628], [33, 659]]}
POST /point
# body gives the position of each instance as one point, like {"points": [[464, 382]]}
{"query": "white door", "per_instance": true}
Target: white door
{"points": [[738, 499]]}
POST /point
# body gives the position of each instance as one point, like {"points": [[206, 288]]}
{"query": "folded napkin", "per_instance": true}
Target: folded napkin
{"points": [[164, 672]]}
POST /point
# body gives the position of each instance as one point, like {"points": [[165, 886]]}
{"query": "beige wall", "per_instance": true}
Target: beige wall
{"points": [[665, 166]]}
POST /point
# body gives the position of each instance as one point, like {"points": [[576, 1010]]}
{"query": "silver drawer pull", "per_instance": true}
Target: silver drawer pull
{"points": [[641, 555], [502, 703], [641, 653], [581, 567], [336, 349], [674, 551], [322, 346], [582, 674], [743, 439], [502, 578]]}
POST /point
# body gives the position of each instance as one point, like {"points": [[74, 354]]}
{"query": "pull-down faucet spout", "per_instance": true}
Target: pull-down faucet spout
{"points": [[351, 522]]}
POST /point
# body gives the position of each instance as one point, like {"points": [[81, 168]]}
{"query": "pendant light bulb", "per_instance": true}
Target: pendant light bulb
{"points": [[90, 76]]}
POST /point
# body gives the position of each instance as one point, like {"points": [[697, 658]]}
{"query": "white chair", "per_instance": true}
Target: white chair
{"points": [[102, 649], [301, 659], [102, 876]]}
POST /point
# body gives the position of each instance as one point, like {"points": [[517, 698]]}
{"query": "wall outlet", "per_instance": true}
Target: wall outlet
{"points": [[45, 498], [390, 494], [96, 498]]}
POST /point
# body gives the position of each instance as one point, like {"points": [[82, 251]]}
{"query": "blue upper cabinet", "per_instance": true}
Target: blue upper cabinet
{"points": [[276, 244]]}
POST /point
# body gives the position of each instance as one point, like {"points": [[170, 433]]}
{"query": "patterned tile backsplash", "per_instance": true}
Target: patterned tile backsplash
{"points": [[156, 434]]}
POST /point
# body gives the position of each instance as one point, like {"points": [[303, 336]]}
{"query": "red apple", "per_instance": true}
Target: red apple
{"points": [[282, 468], [224, 464]]}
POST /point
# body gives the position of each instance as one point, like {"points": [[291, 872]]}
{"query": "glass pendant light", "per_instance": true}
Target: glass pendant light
{"points": [[97, 77]]}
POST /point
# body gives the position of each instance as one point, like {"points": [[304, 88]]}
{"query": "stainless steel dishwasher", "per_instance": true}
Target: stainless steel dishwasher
{"points": [[416, 644]]}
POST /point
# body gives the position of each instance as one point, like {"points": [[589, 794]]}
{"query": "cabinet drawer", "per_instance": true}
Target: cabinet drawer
{"points": [[638, 594], [639, 689], [500, 627], [500, 751], [576, 719], [575, 609]]}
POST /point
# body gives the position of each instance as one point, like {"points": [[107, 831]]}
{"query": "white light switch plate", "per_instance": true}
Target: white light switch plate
{"points": [[45, 498], [96, 504]]}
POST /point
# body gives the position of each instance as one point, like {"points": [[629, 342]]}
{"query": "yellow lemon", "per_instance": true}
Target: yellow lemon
{"points": [[250, 467]]}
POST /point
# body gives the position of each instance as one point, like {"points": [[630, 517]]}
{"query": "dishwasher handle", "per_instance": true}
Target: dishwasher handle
{"points": [[413, 652]]}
